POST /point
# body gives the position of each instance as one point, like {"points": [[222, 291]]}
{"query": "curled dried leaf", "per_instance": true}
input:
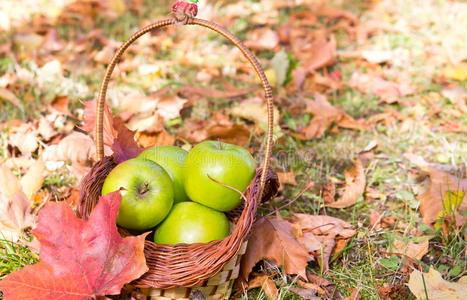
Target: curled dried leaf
{"points": [[355, 182]]}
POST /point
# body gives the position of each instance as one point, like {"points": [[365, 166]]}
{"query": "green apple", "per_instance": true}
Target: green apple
{"points": [[190, 222], [147, 193], [229, 164], [171, 158]]}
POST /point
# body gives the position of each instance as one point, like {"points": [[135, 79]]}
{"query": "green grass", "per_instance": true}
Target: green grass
{"points": [[14, 256]]}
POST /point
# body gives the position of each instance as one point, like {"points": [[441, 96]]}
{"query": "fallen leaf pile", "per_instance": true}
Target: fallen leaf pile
{"points": [[292, 244], [79, 259], [17, 199]]}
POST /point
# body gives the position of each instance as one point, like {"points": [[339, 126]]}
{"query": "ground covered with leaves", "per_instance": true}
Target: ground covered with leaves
{"points": [[370, 140]]}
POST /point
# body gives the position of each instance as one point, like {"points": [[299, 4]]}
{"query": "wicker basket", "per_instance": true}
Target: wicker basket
{"points": [[178, 271]]}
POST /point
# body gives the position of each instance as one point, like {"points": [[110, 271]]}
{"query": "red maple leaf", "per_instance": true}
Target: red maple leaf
{"points": [[116, 134], [79, 259]]}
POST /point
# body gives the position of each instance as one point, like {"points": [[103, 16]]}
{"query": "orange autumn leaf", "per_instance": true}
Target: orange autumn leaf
{"points": [[271, 239], [266, 284], [325, 115], [355, 182], [431, 200], [321, 234]]}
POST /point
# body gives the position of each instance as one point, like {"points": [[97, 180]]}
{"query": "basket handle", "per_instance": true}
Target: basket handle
{"points": [[163, 23]]}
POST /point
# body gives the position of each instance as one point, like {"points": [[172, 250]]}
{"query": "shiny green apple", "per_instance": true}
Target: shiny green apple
{"points": [[190, 222], [171, 158], [147, 193], [229, 164]]}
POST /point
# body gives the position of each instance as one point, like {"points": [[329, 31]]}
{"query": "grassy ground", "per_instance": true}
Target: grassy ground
{"points": [[363, 264]]}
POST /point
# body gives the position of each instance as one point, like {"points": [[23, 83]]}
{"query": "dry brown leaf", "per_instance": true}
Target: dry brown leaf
{"points": [[104, 56], [311, 286], [9, 183], [318, 54], [315, 55], [25, 138], [33, 179], [377, 221], [169, 107], [307, 239], [372, 27], [367, 154], [335, 13], [387, 292], [431, 201], [90, 115], [10, 97], [326, 287], [324, 225], [328, 192], [46, 130], [73, 198], [149, 139], [324, 116], [79, 171], [306, 294], [355, 182], [15, 208], [254, 109], [60, 104], [286, 178], [21, 163], [219, 126], [266, 284], [271, 239], [433, 285], [324, 229], [411, 249], [76, 147], [388, 91], [262, 38]]}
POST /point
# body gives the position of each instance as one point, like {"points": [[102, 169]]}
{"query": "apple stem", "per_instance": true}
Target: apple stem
{"points": [[219, 144], [145, 189]]}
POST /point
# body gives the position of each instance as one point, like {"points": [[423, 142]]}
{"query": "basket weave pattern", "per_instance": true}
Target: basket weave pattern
{"points": [[215, 288]]}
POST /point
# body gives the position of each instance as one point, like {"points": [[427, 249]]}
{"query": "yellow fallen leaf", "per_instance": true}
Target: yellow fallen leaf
{"points": [[458, 72], [435, 287], [33, 179]]}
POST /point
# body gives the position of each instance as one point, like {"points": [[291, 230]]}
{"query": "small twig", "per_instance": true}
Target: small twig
{"points": [[219, 143], [311, 229], [311, 184], [228, 186]]}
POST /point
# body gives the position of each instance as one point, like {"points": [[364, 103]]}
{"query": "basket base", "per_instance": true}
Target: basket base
{"points": [[217, 287]]}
